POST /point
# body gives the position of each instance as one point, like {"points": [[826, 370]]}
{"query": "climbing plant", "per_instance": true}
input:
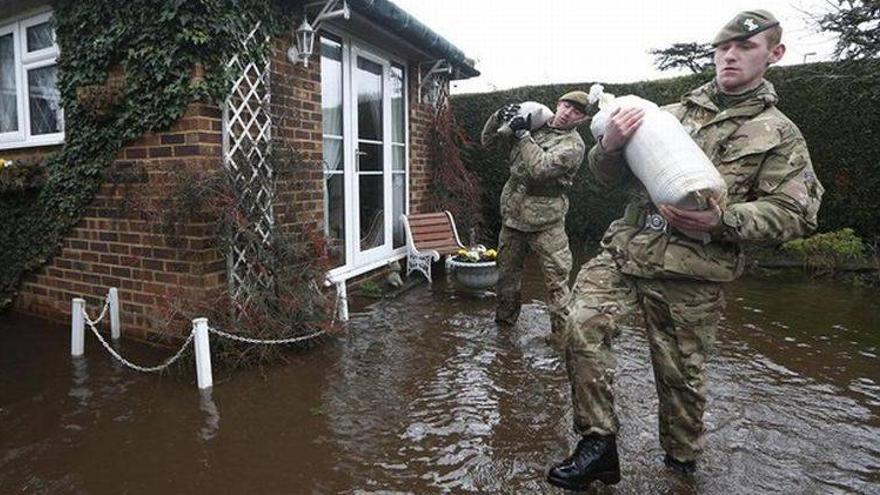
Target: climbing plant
{"points": [[122, 72]]}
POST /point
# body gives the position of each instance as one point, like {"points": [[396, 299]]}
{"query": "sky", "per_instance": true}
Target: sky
{"points": [[528, 42]]}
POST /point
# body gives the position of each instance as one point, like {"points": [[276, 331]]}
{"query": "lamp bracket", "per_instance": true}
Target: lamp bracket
{"points": [[330, 9]]}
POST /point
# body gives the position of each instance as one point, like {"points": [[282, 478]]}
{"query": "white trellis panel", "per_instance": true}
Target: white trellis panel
{"points": [[247, 126]]}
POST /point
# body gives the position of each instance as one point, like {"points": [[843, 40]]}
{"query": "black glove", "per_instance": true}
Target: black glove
{"points": [[519, 124], [508, 112]]}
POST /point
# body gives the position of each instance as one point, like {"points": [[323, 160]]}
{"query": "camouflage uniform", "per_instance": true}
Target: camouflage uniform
{"points": [[533, 208], [675, 281]]}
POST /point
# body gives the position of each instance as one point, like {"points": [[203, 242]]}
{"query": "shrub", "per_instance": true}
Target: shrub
{"points": [[827, 252]]}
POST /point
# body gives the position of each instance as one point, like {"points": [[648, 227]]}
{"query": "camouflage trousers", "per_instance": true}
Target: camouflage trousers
{"points": [[681, 318], [553, 255]]}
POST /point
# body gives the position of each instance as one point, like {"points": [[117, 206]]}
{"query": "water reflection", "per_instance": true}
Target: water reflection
{"points": [[211, 417]]}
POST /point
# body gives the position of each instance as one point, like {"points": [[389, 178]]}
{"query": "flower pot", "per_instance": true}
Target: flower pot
{"points": [[480, 275]]}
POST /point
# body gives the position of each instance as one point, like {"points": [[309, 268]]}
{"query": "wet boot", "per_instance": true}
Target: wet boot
{"points": [[684, 467], [594, 458]]}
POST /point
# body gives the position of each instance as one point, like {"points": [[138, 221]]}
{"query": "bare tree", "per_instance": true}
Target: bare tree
{"points": [[694, 56], [857, 25]]}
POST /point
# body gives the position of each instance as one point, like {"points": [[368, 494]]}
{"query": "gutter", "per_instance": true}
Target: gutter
{"points": [[408, 27]]}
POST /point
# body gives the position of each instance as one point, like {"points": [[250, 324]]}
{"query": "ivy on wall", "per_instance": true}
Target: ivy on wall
{"points": [[168, 54]]}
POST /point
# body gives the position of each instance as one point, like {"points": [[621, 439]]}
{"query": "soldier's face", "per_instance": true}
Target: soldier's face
{"points": [[567, 116], [740, 65]]}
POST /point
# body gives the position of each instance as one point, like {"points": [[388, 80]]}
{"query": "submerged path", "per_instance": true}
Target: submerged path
{"points": [[424, 394]]}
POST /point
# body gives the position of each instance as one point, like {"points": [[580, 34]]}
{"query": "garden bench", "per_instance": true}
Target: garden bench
{"points": [[428, 237]]}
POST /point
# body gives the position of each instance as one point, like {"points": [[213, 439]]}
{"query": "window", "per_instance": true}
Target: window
{"points": [[334, 147], [30, 103]]}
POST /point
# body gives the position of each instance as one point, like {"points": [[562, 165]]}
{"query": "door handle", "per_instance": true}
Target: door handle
{"points": [[357, 159]]}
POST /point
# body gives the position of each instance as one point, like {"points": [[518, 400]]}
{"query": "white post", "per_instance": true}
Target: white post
{"points": [[203, 353], [77, 327], [114, 313], [342, 299]]}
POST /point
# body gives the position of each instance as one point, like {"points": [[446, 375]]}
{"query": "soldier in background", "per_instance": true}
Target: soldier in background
{"points": [[676, 282], [543, 164]]}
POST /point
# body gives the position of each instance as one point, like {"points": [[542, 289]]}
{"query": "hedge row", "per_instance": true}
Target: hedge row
{"points": [[835, 104]]}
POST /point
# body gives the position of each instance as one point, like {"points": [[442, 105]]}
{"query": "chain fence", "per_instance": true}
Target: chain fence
{"points": [[189, 340], [146, 369]]}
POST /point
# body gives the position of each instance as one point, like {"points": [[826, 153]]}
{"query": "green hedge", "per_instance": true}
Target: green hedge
{"points": [[835, 104]]}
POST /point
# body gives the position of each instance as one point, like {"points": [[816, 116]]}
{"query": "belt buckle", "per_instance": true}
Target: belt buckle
{"points": [[655, 221]]}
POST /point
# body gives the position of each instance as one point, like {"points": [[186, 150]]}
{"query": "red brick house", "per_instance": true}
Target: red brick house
{"points": [[357, 111]]}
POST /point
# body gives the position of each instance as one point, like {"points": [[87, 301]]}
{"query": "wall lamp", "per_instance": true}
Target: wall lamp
{"points": [[305, 33]]}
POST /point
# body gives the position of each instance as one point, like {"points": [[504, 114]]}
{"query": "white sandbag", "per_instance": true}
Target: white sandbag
{"points": [[540, 115], [663, 156]]}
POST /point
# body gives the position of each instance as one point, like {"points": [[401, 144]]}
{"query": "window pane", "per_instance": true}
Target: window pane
{"points": [[332, 154], [371, 212], [398, 191], [398, 105], [368, 79], [334, 217], [39, 36], [398, 158], [44, 100], [331, 86], [8, 100]]}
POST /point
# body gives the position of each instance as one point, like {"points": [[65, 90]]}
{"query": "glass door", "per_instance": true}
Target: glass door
{"points": [[371, 126]]}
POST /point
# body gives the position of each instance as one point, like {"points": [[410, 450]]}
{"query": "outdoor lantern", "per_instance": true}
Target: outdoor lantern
{"points": [[305, 33], [305, 44]]}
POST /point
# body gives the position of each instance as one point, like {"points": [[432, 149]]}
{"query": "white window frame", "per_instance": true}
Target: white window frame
{"points": [[26, 61]]}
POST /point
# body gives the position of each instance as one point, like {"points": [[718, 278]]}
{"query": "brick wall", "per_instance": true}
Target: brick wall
{"points": [[120, 241]]}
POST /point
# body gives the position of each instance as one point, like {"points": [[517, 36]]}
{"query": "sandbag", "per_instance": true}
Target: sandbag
{"points": [[539, 112], [663, 156]]}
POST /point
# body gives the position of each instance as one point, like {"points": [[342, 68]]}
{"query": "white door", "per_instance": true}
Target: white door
{"points": [[371, 216]]}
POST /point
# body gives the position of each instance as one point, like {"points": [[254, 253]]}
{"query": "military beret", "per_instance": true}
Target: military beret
{"points": [[578, 98], [745, 25]]}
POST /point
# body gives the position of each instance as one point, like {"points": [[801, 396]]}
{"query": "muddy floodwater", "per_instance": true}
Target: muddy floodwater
{"points": [[424, 394]]}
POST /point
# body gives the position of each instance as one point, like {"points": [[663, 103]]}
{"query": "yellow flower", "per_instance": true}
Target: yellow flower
{"points": [[2, 163]]}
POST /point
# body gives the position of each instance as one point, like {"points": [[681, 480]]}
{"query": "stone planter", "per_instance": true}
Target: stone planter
{"points": [[474, 276]]}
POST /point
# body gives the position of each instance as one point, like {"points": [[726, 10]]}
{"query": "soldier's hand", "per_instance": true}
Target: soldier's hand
{"points": [[508, 112], [700, 221], [521, 125], [622, 124]]}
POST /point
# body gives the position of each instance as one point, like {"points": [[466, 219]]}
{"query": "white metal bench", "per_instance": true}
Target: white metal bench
{"points": [[428, 237]]}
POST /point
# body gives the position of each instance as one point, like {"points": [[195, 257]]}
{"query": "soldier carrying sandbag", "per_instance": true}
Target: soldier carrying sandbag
{"points": [[545, 154], [675, 280]]}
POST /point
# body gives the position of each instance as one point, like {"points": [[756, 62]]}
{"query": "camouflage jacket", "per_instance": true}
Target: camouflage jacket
{"points": [[773, 192], [542, 168]]}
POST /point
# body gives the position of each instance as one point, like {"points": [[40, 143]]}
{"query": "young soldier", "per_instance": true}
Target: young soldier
{"points": [[533, 203], [676, 282]]}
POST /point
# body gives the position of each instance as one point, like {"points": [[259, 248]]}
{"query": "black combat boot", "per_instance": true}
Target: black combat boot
{"points": [[684, 467], [594, 458]]}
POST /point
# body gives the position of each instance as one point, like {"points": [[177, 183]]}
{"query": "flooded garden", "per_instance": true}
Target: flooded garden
{"points": [[423, 393]]}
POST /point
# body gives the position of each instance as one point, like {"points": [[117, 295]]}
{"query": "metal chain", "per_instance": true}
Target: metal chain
{"points": [[103, 312], [145, 369], [268, 341]]}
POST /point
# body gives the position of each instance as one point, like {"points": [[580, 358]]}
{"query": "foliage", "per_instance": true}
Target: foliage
{"points": [[291, 305], [453, 186], [857, 25], [830, 102], [693, 56], [159, 45], [370, 289], [829, 251], [21, 175]]}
